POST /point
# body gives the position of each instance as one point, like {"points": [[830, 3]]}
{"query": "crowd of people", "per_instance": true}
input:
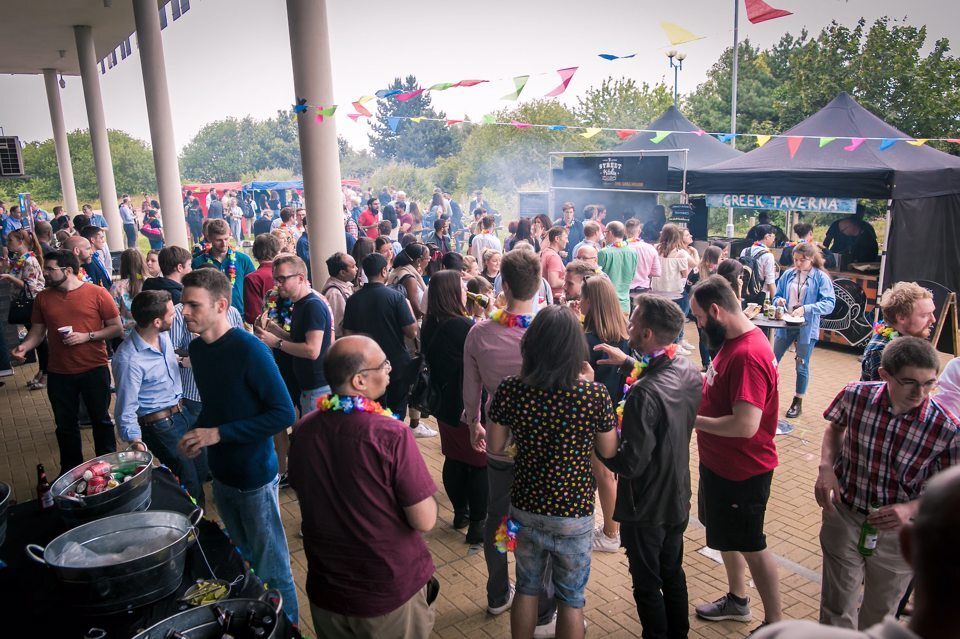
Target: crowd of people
{"points": [[551, 356]]}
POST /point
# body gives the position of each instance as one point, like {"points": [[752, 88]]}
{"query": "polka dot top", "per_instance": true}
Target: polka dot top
{"points": [[554, 434]]}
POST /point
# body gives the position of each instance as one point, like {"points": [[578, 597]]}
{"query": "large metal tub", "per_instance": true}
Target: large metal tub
{"points": [[158, 541], [261, 618], [131, 496]]}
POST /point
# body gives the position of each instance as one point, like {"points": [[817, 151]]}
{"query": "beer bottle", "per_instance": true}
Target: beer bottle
{"points": [[868, 535], [44, 495]]}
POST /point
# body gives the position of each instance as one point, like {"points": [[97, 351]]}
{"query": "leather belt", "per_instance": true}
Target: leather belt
{"points": [[856, 509], [160, 415]]}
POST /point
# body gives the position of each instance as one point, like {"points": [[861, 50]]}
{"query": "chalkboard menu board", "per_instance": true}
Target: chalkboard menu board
{"points": [[681, 213], [614, 172]]}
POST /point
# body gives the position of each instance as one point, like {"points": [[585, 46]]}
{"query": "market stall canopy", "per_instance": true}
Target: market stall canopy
{"points": [[900, 171], [204, 188], [274, 186]]}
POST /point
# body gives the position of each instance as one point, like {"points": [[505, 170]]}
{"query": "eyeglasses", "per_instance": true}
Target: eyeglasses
{"points": [[384, 366], [53, 268], [912, 384], [282, 279]]}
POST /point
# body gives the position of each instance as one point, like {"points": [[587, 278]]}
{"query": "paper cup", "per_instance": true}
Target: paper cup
{"points": [[65, 330]]}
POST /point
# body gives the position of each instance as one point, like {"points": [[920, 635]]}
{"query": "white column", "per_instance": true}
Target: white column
{"points": [[102, 162], [313, 80], [161, 122], [64, 164]]}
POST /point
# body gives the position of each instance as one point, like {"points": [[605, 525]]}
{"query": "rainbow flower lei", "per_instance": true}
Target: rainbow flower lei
{"points": [[84, 276], [511, 320], [506, 538], [759, 243], [351, 404], [201, 247], [792, 244], [639, 368], [16, 266], [279, 309], [231, 261], [619, 244], [881, 328]]}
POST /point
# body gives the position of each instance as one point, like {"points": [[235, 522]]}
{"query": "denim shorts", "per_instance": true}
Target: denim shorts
{"points": [[567, 541]]}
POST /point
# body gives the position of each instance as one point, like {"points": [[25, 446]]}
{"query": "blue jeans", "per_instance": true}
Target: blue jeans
{"points": [[162, 437], [131, 232], [566, 542], [804, 351], [191, 410], [308, 399], [252, 520]]}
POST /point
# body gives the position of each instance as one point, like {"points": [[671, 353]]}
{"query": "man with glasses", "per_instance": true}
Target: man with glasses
{"points": [[885, 440], [309, 334]]}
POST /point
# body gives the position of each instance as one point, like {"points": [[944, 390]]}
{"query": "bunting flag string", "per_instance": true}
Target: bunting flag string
{"points": [[591, 131], [854, 143], [793, 143], [886, 143], [759, 11], [659, 137], [565, 76], [611, 57], [825, 141], [519, 82], [677, 34], [762, 139]]}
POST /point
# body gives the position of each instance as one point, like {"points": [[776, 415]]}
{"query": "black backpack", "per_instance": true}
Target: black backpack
{"points": [[753, 290]]}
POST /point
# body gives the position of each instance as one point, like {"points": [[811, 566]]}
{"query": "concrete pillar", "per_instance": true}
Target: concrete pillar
{"points": [[102, 162], [313, 80], [161, 122], [64, 164]]}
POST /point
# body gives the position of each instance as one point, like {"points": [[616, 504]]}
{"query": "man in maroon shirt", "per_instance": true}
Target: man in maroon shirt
{"points": [[256, 285], [368, 568], [736, 424]]}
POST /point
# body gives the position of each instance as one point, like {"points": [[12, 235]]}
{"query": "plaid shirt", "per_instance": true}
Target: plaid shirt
{"points": [[870, 366], [886, 458]]}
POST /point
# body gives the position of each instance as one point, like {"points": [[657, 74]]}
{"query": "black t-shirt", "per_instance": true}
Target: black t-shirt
{"points": [[442, 344], [381, 313], [310, 314], [607, 374], [262, 225]]}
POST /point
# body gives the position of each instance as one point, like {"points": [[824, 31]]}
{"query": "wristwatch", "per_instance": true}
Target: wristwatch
{"points": [[280, 345], [90, 335]]}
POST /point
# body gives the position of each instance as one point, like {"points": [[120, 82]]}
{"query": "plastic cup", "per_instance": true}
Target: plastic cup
{"points": [[65, 330]]}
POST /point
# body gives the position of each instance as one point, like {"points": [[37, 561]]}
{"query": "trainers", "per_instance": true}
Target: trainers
{"points": [[284, 480], [547, 630], [422, 430], [725, 608], [603, 543], [499, 610], [687, 345]]}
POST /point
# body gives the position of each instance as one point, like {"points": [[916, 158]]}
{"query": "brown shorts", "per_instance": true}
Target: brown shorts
{"points": [[412, 620]]}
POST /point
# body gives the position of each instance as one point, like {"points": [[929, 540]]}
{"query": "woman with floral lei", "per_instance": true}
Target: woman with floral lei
{"points": [[26, 277]]}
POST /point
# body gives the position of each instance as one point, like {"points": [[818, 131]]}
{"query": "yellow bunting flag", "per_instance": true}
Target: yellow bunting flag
{"points": [[659, 137], [365, 99], [919, 142], [590, 132], [418, 120], [677, 34], [762, 139]]}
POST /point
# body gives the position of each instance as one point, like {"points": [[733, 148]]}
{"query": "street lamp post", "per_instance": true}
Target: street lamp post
{"points": [[677, 67]]}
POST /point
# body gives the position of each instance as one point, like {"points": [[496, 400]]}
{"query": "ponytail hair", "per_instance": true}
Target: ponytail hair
{"points": [[29, 240]]}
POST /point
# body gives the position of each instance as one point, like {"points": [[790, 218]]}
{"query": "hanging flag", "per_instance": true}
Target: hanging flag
{"points": [[403, 97], [300, 106], [610, 56], [443, 86], [725, 137], [677, 34], [353, 116], [565, 76], [520, 125], [393, 122], [361, 110], [590, 132], [453, 122], [469, 83], [659, 137], [793, 142], [489, 119], [886, 143], [762, 139], [557, 127], [519, 82], [388, 93], [325, 112], [417, 120], [825, 141], [759, 11], [919, 142], [365, 99], [954, 140], [623, 134], [854, 143]]}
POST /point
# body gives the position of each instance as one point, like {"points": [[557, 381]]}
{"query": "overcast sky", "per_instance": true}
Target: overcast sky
{"points": [[232, 57]]}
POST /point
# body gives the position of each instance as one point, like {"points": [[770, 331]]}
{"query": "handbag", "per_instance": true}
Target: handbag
{"points": [[21, 308]]}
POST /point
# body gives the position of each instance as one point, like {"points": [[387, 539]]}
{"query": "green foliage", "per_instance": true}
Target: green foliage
{"points": [[419, 143], [621, 104], [268, 175], [353, 163], [413, 180], [132, 168]]}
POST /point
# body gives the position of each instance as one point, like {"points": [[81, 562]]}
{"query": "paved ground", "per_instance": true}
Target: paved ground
{"points": [[793, 520]]}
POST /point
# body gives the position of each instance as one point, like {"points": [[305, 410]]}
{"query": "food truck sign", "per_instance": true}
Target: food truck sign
{"points": [[784, 203]]}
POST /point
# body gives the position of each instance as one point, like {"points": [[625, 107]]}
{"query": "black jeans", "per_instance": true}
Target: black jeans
{"points": [[466, 487], [65, 392], [655, 554]]}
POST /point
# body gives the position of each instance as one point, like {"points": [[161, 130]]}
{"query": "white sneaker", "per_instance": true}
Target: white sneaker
{"points": [[422, 430], [687, 345], [547, 630], [6, 373], [602, 543], [682, 350], [499, 610]]}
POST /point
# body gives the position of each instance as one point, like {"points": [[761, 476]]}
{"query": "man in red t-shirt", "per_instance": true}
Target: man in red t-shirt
{"points": [[370, 218], [368, 568], [77, 318], [551, 264], [736, 424]]}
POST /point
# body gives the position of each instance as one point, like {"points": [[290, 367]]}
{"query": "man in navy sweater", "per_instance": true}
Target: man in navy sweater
{"points": [[245, 403]]}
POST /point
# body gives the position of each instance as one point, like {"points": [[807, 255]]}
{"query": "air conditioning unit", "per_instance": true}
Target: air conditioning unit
{"points": [[11, 160]]}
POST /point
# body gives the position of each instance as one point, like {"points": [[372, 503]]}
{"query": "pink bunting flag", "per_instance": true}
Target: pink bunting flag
{"points": [[361, 110], [469, 83], [565, 76], [699, 133], [793, 142], [954, 140], [854, 143], [353, 116], [520, 125], [403, 97], [623, 134], [759, 11]]}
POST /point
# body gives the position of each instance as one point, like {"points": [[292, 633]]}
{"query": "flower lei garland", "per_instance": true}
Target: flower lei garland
{"points": [[759, 243], [16, 266], [231, 261], [511, 320], [639, 368], [279, 309], [881, 328], [351, 404], [84, 276], [505, 539], [201, 247], [619, 244], [793, 244]]}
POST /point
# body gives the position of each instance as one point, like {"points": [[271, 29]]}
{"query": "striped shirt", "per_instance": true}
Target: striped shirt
{"points": [[181, 338], [886, 458]]}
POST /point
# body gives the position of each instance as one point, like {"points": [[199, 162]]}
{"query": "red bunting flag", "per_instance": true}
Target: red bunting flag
{"points": [[759, 11], [565, 76], [452, 122], [954, 140], [793, 142], [361, 110], [521, 125], [403, 97], [623, 134]]}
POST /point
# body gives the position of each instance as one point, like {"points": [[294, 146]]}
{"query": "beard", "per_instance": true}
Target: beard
{"points": [[715, 332]]}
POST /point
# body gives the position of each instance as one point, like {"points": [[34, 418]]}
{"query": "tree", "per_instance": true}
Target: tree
{"points": [[353, 163], [621, 104], [420, 143]]}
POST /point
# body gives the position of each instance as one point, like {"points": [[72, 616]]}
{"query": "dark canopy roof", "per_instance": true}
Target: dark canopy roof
{"points": [[899, 172]]}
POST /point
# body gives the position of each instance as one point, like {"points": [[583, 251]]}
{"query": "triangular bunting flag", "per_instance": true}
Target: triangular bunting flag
{"points": [[954, 140], [403, 97], [453, 122], [590, 132], [886, 143], [677, 34], [393, 122], [565, 76], [365, 99], [610, 56], [388, 93], [353, 116], [825, 141], [623, 134], [300, 106], [489, 119], [361, 110], [469, 83], [520, 125], [854, 143], [324, 112], [725, 137], [417, 120], [699, 133], [659, 137], [919, 142], [760, 11], [793, 143], [519, 82], [557, 127], [762, 139], [442, 86]]}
